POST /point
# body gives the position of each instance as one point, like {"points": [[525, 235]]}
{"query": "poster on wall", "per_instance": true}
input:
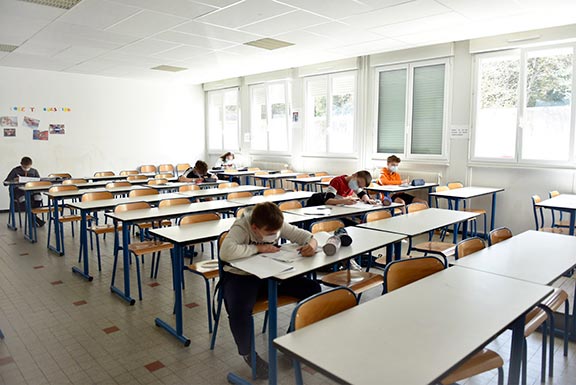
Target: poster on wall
{"points": [[31, 122], [8, 121], [8, 132], [57, 129], [39, 135]]}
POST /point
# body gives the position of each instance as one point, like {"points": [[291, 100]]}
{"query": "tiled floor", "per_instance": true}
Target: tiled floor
{"points": [[61, 329]]}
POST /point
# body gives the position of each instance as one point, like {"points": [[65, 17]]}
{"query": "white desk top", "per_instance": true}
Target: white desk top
{"points": [[87, 185], [420, 222], [78, 193], [312, 179], [416, 334], [329, 211], [467, 192], [288, 196], [563, 201], [279, 175], [221, 191], [236, 173], [104, 204], [533, 256], [398, 188]]}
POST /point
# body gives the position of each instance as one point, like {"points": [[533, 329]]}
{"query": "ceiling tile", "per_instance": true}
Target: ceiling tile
{"points": [[73, 34], [33, 61], [212, 31], [98, 14], [79, 54], [197, 41], [246, 12], [446, 20], [366, 48], [303, 38], [146, 23], [285, 23], [148, 47], [182, 53], [478, 10], [35, 47], [125, 58], [16, 30], [340, 8], [218, 3], [343, 33], [181, 8], [29, 10]]}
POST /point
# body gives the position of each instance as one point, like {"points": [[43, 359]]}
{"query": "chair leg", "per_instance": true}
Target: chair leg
{"points": [[216, 319], [552, 339], [265, 323], [98, 252], [566, 316], [500, 376], [544, 341], [115, 265], [138, 277], [524, 361], [157, 266], [2, 334], [208, 305], [253, 348], [152, 265], [298, 372]]}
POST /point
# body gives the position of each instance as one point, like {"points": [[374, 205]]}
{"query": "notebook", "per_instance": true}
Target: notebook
{"points": [[262, 266]]}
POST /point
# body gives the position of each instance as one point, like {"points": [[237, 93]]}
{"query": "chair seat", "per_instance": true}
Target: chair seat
{"points": [[358, 281], [206, 272], [534, 319], [262, 304], [556, 299], [562, 223], [73, 218], [104, 229], [444, 248], [147, 247], [41, 210], [480, 362], [479, 211], [555, 230]]}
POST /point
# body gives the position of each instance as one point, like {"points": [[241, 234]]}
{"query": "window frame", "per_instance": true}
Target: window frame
{"points": [[518, 159], [353, 154], [409, 101], [222, 91]]}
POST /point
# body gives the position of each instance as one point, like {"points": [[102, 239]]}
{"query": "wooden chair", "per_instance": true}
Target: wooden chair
{"points": [[262, 182], [287, 171], [74, 181], [128, 172], [142, 192], [136, 177], [290, 205], [157, 182], [417, 206], [376, 216], [321, 173], [560, 222], [440, 248], [166, 169], [112, 185], [37, 210], [401, 273], [170, 203], [163, 176], [63, 175], [260, 306], [148, 169], [228, 185], [468, 246], [498, 235], [274, 191], [139, 249], [240, 211], [188, 187], [241, 194], [473, 221], [105, 228], [104, 173], [539, 212], [63, 218], [181, 167], [317, 308], [253, 168]]}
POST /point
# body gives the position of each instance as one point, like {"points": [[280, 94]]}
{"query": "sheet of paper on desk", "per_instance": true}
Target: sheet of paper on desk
{"points": [[25, 179], [317, 210], [261, 266]]}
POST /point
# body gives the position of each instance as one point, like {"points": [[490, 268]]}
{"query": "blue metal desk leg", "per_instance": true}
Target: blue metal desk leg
{"points": [[493, 213], [429, 197], [12, 215], [572, 220], [125, 265], [29, 229], [84, 248], [177, 279], [455, 236], [272, 330], [516, 350], [59, 239]]}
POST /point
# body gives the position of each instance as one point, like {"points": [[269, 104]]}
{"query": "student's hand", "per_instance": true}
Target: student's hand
{"points": [[366, 199], [199, 180], [267, 248], [309, 249], [406, 181], [348, 201]]}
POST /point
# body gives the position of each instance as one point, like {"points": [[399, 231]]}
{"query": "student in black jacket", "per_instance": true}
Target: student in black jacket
{"points": [[199, 173], [25, 169]]}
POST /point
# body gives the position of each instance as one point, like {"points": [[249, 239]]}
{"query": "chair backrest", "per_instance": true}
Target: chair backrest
{"points": [[163, 176], [261, 173], [287, 171], [403, 272], [40, 183], [455, 185], [469, 246], [221, 239], [104, 173], [538, 222], [241, 194], [417, 206], [377, 215], [63, 187], [197, 218], [128, 172], [321, 173], [322, 306], [302, 176], [60, 175], [142, 192], [96, 196], [253, 168], [227, 185], [290, 205], [442, 188], [136, 177], [156, 182], [148, 168], [240, 211], [329, 226], [118, 184], [553, 194], [188, 187], [274, 191], [75, 181], [166, 169], [131, 206], [500, 234], [326, 179], [174, 202]]}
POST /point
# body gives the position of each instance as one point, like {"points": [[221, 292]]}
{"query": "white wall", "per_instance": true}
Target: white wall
{"points": [[114, 124]]}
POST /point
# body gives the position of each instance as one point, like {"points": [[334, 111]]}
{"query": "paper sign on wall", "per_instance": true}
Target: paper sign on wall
{"points": [[459, 131]]}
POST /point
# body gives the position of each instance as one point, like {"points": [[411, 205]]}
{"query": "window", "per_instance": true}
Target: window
{"points": [[411, 110], [523, 106], [223, 120], [269, 117], [329, 113]]}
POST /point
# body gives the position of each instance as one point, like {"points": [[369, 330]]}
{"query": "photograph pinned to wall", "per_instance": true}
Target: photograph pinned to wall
{"points": [[8, 132], [31, 122], [9, 121], [39, 135], [57, 129]]}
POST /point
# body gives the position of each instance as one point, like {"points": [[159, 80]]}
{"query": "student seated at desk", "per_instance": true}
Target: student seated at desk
{"points": [[258, 230], [25, 169], [390, 176], [343, 190], [226, 160], [198, 174]]}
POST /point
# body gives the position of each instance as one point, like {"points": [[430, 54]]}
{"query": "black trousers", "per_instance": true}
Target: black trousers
{"points": [[241, 293]]}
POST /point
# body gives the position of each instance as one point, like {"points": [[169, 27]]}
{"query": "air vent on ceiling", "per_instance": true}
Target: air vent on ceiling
{"points": [[169, 68], [269, 44], [7, 47], [64, 4]]}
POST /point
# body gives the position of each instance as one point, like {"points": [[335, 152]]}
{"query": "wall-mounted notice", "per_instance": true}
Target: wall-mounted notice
{"points": [[8, 132], [459, 131], [31, 122], [39, 135], [9, 121], [56, 129]]}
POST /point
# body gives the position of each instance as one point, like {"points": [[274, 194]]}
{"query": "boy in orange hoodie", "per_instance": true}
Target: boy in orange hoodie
{"points": [[390, 176]]}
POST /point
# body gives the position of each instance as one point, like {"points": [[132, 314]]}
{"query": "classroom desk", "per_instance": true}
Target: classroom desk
{"points": [[465, 193], [364, 241], [155, 214], [421, 222], [238, 174], [275, 198], [272, 178], [216, 192], [306, 183], [532, 256], [107, 178], [388, 190], [332, 212], [12, 207], [565, 203], [449, 319]]}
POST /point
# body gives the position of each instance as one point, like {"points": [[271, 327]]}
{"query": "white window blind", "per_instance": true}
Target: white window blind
{"points": [[223, 120], [391, 111], [269, 128]]}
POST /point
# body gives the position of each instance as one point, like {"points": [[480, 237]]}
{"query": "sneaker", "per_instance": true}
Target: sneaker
{"points": [[40, 222], [261, 366]]}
